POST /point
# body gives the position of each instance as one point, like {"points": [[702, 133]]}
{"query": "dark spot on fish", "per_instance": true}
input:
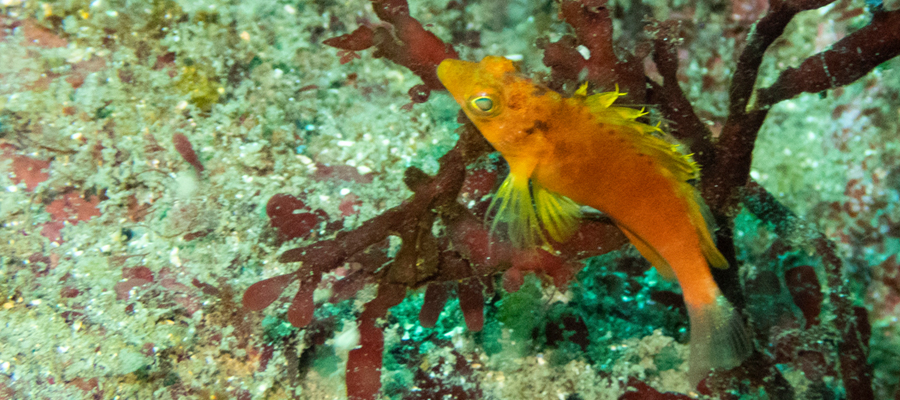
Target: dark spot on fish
{"points": [[539, 90], [538, 125]]}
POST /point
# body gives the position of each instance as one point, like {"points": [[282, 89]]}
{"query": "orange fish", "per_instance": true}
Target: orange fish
{"points": [[582, 150]]}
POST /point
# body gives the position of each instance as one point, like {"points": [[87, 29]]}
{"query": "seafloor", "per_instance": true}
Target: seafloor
{"points": [[142, 142]]}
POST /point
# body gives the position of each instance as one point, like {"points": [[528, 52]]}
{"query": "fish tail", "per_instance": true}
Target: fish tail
{"points": [[718, 338]]}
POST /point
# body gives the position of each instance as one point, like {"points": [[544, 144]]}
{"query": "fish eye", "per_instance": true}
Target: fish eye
{"points": [[483, 103]]}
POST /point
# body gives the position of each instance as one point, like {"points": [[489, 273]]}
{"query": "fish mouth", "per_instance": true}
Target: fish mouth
{"points": [[452, 73], [449, 67]]}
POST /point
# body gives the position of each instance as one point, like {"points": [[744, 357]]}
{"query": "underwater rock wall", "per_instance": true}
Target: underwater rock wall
{"points": [[258, 200]]}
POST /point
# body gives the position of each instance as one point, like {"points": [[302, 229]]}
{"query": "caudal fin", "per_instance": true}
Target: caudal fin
{"points": [[718, 339]]}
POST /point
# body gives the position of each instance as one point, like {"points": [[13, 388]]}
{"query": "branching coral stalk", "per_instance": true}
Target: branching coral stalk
{"points": [[323, 256], [593, 29], [407, 44], [730, 166], [852, 349], [846, 61], [364, 363], [184, 147], [684, 123]]}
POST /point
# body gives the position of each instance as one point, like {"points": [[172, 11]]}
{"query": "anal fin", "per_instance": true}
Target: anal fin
{"points": [[703, 219], [663, 267]]}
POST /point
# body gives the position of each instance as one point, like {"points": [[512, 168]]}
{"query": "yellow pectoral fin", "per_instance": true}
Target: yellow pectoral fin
{"points": [[526, 217], [558, 214], [513, 205], [663, 267]]}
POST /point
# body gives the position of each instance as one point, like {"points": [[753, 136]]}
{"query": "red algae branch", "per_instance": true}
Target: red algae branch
{"points": [[846, 61], [851, 323], [407, 43]]}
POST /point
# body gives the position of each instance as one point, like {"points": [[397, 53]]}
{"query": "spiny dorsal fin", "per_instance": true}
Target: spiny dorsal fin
{"points": [[682, 167], [643, 136]]}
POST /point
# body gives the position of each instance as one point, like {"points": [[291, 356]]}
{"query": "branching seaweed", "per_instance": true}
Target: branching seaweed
{"points": [[467, 257]]}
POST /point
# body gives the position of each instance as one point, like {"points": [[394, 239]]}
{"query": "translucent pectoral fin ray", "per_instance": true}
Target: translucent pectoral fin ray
{"points": [[514, 207], [527, 217], [559, 215]]}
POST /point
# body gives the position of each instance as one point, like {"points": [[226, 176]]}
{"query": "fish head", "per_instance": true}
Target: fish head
{"points": [[502, 104]]}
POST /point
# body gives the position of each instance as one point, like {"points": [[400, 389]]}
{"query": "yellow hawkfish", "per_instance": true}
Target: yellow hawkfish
{"points": [[582, 150]]}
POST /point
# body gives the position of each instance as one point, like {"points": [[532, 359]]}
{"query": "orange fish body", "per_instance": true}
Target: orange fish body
{"points": [[563, 152]]}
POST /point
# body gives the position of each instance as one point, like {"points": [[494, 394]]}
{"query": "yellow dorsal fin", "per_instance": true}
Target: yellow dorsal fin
{"points": [[643, 136], [599, 101], [582, 90], [526, 217], [682, 166]]}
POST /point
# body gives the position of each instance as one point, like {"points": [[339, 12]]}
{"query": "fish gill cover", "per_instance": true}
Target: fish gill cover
{"points": [[262, 200]]}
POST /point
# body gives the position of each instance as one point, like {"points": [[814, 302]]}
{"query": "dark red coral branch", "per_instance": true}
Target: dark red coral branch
{"points": [[282, 210], [407, 44], [300, 313], [364, 363], [360, 39], [471, 301], [734, 150], [852, 350], [593, 28], [184, 147], [803, 284], [436, 295], [684, 123], [846, 61], [769, 28], [263, 293]]}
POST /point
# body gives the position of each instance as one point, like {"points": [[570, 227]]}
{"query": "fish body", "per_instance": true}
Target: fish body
{"points": [[582, 150]]}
